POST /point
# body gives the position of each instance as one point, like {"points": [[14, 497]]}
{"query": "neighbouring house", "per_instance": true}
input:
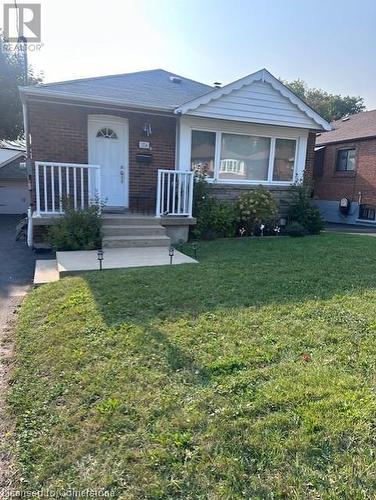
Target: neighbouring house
{"points": [[134, 140], [345, 170], [14, 192]]}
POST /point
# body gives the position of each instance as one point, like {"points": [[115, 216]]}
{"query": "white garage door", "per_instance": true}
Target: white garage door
{"points": [[14, 197]]}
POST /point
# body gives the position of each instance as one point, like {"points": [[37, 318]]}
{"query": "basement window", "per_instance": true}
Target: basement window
{"points": [[345, 160], [367, 212]]}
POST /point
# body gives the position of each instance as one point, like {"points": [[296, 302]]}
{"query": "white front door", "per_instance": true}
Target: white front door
{"points": [[108, 147]]}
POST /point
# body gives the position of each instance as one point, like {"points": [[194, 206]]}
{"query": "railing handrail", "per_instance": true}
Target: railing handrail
{"points": [[79, 181], [66, 165], [172, 171], [175, 193]]}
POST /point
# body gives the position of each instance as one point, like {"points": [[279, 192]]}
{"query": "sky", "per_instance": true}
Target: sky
{"points": [[331, 44]]}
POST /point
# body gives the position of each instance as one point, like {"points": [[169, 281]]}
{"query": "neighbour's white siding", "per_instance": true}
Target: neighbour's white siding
{"points": [[14, 197], [257, 102]]}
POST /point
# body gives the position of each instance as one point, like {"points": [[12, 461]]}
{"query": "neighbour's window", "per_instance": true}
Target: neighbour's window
{"points": [[345, 160], [284, 160], [367, 212], [203, 152], [107, 133], [244, 157]]}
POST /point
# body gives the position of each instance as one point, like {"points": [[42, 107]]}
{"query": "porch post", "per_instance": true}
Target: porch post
{"points": [[37, 191], [191, 187], [158, 204]]}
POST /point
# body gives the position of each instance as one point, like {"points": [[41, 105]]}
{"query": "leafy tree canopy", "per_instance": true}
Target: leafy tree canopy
{"points": [[11, 76], [329, 106]]}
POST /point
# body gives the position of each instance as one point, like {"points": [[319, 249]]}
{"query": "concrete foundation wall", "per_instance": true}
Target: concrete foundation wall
{"points": [[329, 210]]}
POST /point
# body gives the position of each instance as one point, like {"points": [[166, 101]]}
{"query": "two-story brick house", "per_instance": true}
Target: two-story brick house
{"points": [[345, 170]]}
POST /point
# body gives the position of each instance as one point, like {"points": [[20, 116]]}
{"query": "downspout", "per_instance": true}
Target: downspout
{"points": [[177, 143], [28, 171]]}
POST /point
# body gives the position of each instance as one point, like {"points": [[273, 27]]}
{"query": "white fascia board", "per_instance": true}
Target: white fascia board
{"points": [[264, 76]]}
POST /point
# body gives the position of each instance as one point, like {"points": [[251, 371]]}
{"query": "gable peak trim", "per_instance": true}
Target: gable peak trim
{"points": [[266, 77]]}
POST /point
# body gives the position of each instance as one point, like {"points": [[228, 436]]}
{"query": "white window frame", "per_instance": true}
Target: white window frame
{"points": [[217, 157]]}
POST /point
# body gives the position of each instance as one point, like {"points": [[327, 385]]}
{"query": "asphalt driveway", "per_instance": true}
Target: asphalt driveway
{"points": [[16, 267]]}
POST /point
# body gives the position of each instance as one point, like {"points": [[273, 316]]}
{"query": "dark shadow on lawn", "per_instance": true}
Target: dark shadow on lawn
{"points": [[236, 274]]}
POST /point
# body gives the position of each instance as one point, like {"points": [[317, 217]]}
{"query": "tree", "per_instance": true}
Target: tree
{"points": [[329, 106], [11, 76]]}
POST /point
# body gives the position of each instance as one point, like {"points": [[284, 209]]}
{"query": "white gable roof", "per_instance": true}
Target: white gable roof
{"points": [[257, 98]]}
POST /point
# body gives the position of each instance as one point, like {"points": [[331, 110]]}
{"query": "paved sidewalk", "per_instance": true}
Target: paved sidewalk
{"points": [[350, 229]]}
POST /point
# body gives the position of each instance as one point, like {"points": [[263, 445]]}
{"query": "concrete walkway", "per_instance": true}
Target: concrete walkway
{"points": [[69, 263]]}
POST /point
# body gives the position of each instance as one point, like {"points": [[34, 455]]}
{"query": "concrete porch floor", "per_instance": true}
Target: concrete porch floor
{"points": [[69, 263]]}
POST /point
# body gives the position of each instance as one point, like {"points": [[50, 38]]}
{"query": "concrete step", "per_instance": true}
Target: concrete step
{"points": [[130, 220], [135, 241], [133, 230], [45, 271]]}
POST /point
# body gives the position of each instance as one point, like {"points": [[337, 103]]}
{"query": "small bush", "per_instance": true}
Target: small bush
{"points": [[296, 230], [77, 229], [256, 207], [215, 219], [303, 212]]}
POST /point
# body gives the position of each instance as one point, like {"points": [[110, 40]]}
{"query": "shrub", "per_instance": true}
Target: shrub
{"points": [[77, 229], [295, 230], [214, 218], [257, 207], [303, 212]]}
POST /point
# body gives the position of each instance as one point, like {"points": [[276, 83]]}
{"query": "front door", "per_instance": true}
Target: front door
{"points": [[108, 147]]}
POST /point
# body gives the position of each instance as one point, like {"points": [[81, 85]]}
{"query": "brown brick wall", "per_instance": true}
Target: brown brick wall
{"points": [[59, 133], [310, 158], [333, 185]]}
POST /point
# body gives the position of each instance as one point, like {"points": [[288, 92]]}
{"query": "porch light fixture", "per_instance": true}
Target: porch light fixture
{"points": [[100, 258], [171, 252], [146, 129]]}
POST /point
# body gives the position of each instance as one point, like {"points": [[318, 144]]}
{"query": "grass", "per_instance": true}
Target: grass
{"points": [[250, 375]]}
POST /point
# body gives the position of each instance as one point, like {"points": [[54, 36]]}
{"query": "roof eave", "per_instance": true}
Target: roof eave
{"points": [[350, 139], [9, 160], [39, 92]]}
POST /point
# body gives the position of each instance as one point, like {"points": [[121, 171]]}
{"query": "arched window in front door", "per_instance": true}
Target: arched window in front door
{"points": [[106, 133]]}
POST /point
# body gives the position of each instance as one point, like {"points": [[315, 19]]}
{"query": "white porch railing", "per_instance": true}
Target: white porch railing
{"points": [[54, 182], [174, 193]]}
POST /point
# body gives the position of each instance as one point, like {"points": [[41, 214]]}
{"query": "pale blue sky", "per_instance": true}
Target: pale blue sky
{"points": [[330, 44]]}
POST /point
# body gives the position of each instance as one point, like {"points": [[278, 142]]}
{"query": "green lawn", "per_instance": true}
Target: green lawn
{"points": [[250, 375]]}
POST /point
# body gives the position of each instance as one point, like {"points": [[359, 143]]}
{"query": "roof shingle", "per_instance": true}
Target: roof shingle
{"points": [[144, 89], [359, 126]]}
